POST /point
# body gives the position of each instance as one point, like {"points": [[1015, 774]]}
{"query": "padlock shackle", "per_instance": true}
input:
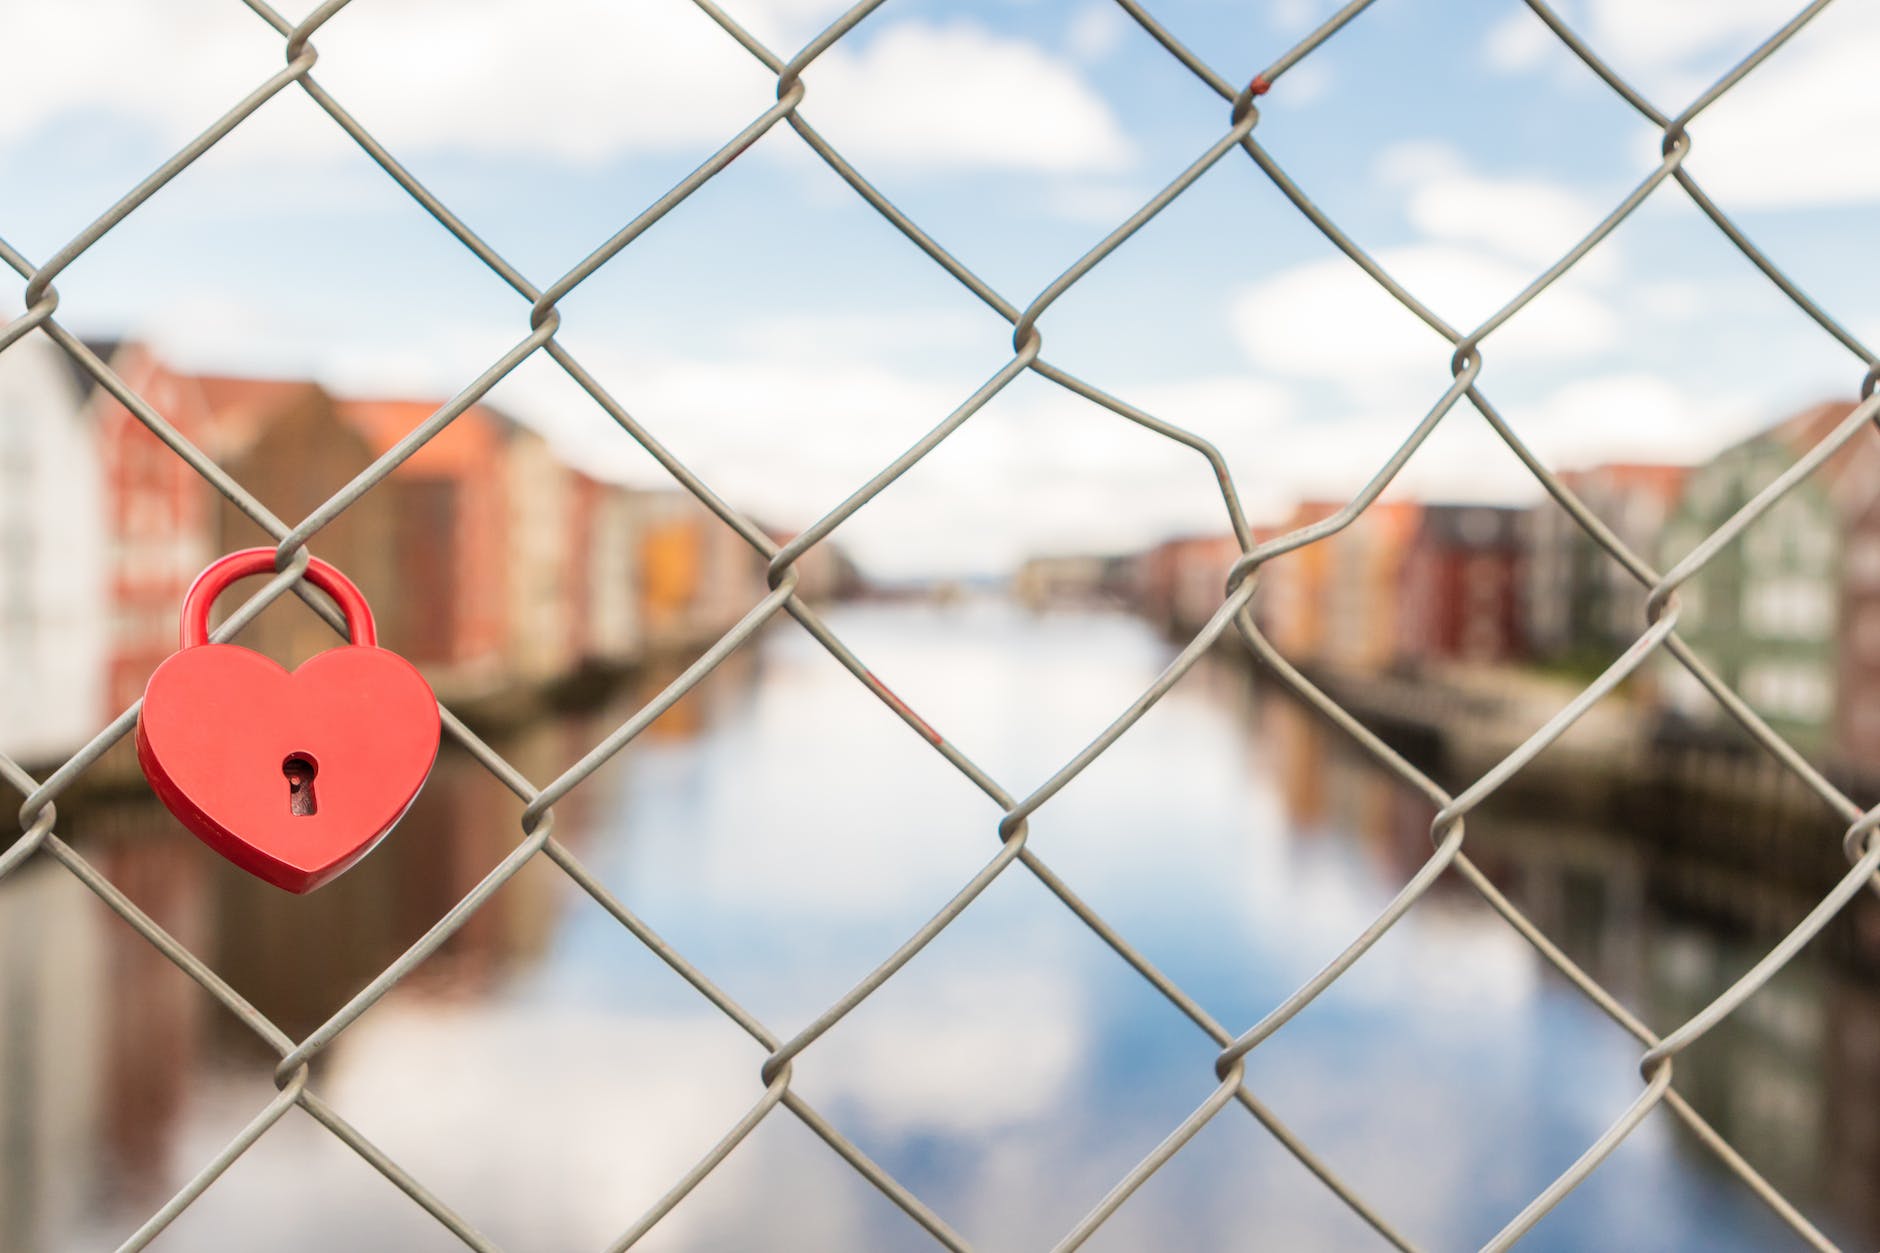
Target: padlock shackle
{"points": [[250, 561]]}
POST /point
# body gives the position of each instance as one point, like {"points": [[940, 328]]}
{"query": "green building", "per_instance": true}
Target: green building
{"points": [[1766, 612]]}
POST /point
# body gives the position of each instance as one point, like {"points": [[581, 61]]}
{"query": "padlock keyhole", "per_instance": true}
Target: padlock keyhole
{"points": [[300, 770]]}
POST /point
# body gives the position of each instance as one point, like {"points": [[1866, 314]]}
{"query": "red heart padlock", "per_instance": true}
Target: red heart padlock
{"points": [[291, 775]]}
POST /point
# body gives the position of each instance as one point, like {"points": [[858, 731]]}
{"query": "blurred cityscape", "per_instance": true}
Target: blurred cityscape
{"points": [[506, 575], [1445, 613], [519, 583]]}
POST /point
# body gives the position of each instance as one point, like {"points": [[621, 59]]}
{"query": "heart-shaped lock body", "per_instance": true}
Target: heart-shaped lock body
{"points": [[291, 775]]}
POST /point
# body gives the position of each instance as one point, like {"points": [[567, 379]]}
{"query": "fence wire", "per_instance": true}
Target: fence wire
{"points": [[38, 813]]}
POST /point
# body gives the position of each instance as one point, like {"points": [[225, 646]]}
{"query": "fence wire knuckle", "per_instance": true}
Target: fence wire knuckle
{"points": [[293, 1073]]}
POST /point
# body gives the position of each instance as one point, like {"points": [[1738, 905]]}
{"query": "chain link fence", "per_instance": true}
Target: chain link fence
{"points": [[39, 818]]}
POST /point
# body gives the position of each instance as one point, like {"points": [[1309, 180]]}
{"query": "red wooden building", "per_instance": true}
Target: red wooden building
{"points": [[1462, 586], [160, 517]]}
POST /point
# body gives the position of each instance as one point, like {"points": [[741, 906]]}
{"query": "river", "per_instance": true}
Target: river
{"points": [[549, 1078]]}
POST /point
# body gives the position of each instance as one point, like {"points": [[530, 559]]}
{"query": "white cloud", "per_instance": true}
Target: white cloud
{"points": [[947, 95], [1097, 31], [1039, 469], [425, 1079], [1100, 202], [1517, 42], [787, 415], [580, 81], [1631, 416], [1296, 17], [1329, 320], [944, 1062], [1619, 416], [1306, 81], [1672, 32], [1218, 406], [876, 333], [1787, 136], [1522, 217], [1800, 130]]}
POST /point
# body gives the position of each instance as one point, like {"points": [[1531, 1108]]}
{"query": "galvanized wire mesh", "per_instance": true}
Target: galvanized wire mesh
{"points": [[39, 818]]}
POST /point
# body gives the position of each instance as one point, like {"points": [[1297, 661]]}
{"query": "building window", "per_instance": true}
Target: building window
{"points": [[1794, 690], [1788, 608]]}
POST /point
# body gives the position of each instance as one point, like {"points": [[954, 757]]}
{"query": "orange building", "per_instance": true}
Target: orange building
{"points": [[697, 575], [1337, 601], [1291, 604], [1363, 624]]}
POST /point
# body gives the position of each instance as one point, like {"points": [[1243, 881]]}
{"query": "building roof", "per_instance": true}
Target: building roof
{"points": [[470, 439], [1804, 430], [239, 407], [1662, 481], [1851, 474]]}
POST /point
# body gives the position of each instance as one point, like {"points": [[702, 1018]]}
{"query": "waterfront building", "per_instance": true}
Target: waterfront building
{"points": [[53, 612], [825, 572], [1579, 602], [1364, 594], [1180, 582], [1461, 589], [605, 630], [159, 516], [282, 440], [540, 569], [1338, 601], [1768, 612], [1290, 604], [449, 531], [697, 575], [1065, 580]]}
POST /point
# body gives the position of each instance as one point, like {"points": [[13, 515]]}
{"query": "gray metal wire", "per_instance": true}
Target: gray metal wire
{"points": [[38, 812]]}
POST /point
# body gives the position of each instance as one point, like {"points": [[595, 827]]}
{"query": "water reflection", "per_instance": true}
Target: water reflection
{"points": [[547, 1076]]}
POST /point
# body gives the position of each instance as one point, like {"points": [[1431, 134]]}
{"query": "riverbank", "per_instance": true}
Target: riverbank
{"points": [[1733, 836]]}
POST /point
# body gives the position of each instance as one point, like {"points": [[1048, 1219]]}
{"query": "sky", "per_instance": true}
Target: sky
{"points": [[787, 342]]}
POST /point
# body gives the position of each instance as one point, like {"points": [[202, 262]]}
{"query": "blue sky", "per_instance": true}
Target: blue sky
{"points": [[788, 342]]}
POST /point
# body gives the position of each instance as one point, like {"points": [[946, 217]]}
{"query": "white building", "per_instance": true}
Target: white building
{"points": [[53, 605]]}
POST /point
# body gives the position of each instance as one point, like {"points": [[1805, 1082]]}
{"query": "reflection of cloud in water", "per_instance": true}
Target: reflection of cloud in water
{"points": [[947, 1062], [578, 1120], [1447, 959], [599, 1113]]}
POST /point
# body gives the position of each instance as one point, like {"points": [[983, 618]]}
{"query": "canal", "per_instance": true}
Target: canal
{"points": [[550, 1078]]}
